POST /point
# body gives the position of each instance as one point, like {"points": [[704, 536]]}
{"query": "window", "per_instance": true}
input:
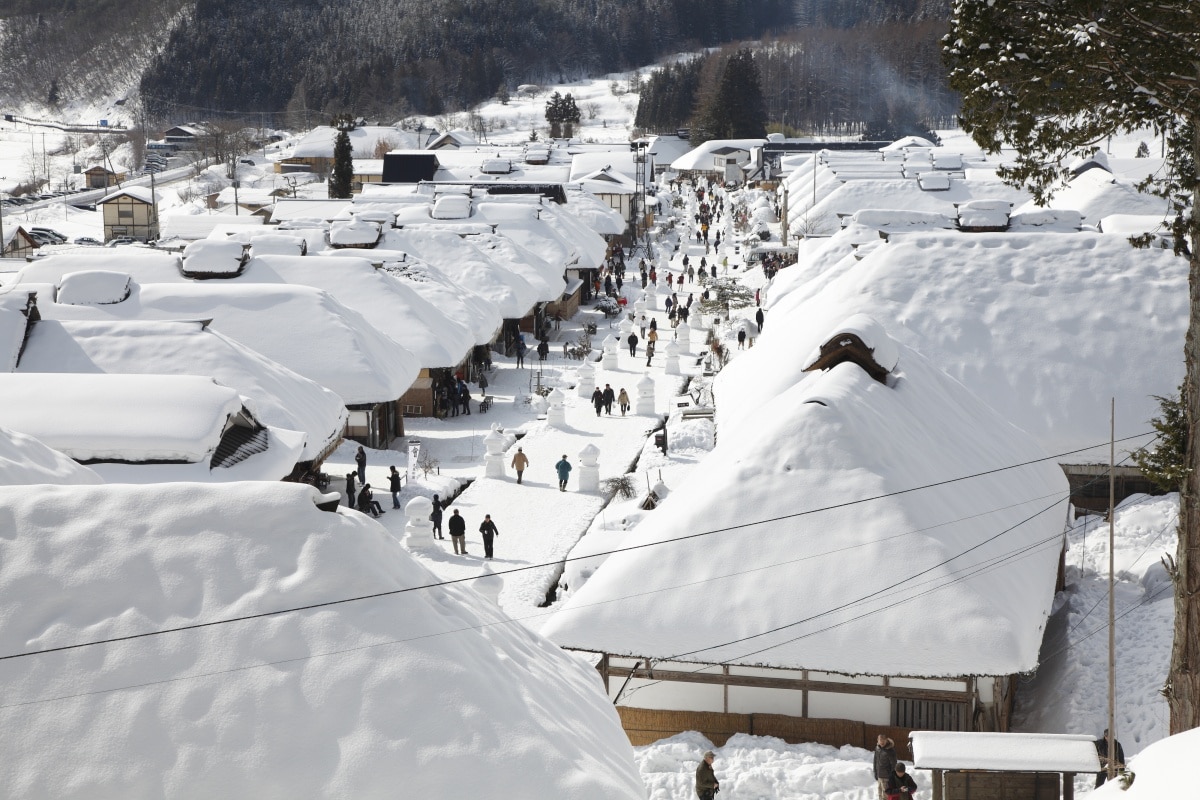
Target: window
{"points": [[413, 411], [124, 214], [931, 715]]}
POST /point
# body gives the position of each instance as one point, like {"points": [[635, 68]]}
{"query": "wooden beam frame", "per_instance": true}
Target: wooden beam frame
{"points": [[796, 684]]}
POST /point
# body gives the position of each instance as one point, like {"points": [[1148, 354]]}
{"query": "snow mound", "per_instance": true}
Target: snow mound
{"points": [[1163, 771], [93, 287], [212, 258], [432, 693], [25, 460]]}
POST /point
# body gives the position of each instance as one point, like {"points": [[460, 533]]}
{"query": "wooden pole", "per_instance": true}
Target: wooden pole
{"points": [[1112, 639]]}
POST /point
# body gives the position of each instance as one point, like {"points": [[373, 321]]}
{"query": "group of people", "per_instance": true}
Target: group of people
{"points": [[603, 400], [457, 528], [453, 396]]}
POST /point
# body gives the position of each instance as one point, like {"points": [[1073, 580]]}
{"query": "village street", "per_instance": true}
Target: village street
{"points": [[539, 525]]}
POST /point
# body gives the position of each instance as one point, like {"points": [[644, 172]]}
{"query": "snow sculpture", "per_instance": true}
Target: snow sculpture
{"points": [[671, 366], [556, 416], [587, 380], [589, 469], [494, 459], [639, 306], [418, 532], [609, 361], [645, 398], [625, 327], [683, 334]]}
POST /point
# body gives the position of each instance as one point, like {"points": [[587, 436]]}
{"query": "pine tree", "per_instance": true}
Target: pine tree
{"points": [[554, 115], [1165, 465], [341, 178], [1052, 78], [736, 110], [502, 94], [570, 115]]}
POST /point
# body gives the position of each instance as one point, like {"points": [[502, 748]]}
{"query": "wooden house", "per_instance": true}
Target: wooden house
{"points": [[98, 177], [17, 243], [132, 211], [1000, 766]]}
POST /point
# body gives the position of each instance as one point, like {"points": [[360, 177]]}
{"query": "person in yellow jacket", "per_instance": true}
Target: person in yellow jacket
{"points": [[519, 462]]}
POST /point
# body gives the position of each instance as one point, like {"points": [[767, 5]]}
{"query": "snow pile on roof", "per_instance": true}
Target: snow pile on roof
{"points": [[1165, 769], [701, 158], [364, 141], [354, 232], [272, 244], [119, 417], [1024, 320], [1020, 752], [464, 264], [481, 315], [93, 287], [933, 181], [144, 266], [278, 396], [24, 460], [141, 193], [434, 337], [194, 227], [908, 142], [349, 700], [1047, 219], [14, 305], [304, 329], [1096, 193], [984, 214], [829, 467], [504, 248], [451, 206], [896, 220], [595, 213], [213, 258]]}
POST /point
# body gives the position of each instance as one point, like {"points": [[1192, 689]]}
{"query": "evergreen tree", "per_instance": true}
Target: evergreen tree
{"points": [[736, 110], [554, 115], [502, 94], [570, 115], [1052, 78], [341, 178], [1165, 465]]}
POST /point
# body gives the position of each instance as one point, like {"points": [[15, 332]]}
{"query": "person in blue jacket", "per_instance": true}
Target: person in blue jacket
{"points": [[564, 471]]}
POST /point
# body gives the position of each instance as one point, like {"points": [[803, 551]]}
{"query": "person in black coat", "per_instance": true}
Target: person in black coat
{"points": [[885, 763], [351, 491], [759, 317], [488, 529], [1102, 751], [458, 533], [394, 487], [367, 503], [436, 518], [609, 396], [598, 400], [900, 784], [633, 343], [360, 458]]}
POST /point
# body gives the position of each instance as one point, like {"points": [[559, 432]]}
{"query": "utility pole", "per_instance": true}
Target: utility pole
{"points": [[1110, 767]]}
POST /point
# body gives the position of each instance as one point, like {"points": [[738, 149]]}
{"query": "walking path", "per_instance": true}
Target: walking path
{"points": [[537, 523]]}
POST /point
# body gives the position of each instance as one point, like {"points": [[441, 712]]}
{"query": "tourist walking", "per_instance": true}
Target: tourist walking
{"points": [[436, 518], [598, 400], [884, 764], [608, 399], [519, 462], [633, 343], [488, 529], [707, 784], [458, 532], [394, 487], [623, 400], [563, 468]]}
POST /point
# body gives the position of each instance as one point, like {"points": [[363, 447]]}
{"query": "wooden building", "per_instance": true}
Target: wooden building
{"points": [[17, 243], [132, 211], [98, 177], [1003, 766]]}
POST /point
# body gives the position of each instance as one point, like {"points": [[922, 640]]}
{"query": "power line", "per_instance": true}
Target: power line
{"points": [[512, 570]]}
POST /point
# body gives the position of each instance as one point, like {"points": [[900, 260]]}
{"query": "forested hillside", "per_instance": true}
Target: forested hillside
{"points": [[391, 57]]}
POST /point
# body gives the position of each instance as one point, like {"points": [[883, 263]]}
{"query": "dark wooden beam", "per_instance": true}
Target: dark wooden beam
{"points": [[797, 684]]}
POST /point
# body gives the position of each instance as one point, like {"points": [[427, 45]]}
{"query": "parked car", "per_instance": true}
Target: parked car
{"points": [[88, 240], [120, 240], [53, 235]]}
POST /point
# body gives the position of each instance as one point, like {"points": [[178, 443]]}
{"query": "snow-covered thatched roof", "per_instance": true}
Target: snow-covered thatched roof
{"points": [[279, 396], [701, 158], [319, 142], [832, 558], [1025, 320], [24, 460], [430, 693]]}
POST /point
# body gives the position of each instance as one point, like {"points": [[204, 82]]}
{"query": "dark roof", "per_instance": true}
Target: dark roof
{"points": [[848, 347], [409, 167]]}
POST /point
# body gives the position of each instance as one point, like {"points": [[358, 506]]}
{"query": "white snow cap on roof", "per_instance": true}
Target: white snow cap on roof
{"points": [[146, 266], [907, 143], [452, 206], [119, 417], [809, 581], [142, 193], [481, 315], [434, 691], [1021, 752], [93, 287], [354, 232], [24, 460], [279, 397], [214, 258]]}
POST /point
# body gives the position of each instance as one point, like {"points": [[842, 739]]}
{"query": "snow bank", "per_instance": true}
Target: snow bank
{"points": [[25, 460], [1163, 771], [432, 693]]}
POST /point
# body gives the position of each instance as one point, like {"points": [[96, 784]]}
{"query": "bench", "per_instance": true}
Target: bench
{"points": [[485, 404]]}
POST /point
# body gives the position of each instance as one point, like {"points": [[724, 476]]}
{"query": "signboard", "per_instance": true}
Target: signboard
{"points": [[414, 453]]}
